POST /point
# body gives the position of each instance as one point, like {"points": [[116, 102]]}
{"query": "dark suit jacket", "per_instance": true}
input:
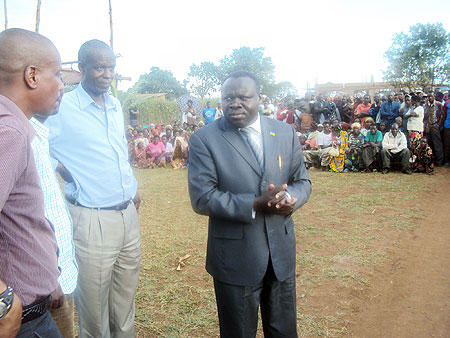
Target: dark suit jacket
{"points": [[224, 178]]}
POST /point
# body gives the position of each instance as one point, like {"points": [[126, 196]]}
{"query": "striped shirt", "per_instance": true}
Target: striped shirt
{"points": [[28, 259], [56, 210]]}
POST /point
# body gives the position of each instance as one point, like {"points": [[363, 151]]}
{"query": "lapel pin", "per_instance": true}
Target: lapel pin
{"points": [[272, 133]]}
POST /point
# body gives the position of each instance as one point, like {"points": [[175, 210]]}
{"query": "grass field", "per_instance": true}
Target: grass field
{"points": [[343, 234]]}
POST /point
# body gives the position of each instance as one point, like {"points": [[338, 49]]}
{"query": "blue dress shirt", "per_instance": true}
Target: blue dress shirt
{"points": [[90, 143]]}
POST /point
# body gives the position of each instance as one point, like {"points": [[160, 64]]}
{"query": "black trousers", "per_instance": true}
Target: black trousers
{"points": [[435, 142], [446, 145], [238, 307]]}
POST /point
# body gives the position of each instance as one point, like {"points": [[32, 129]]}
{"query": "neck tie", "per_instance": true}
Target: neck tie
{"points": [[251, 138]]}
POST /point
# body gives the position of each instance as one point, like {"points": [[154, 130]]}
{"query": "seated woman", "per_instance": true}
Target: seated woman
{"points": [[155, 153], [339, 143], [366, 126], [353, 154], [140, 157], [311, 149], [424, 161], [371, 148], [180, 154], [169, 149]]}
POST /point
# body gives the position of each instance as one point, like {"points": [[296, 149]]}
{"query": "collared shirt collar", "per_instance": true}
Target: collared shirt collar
{"points": [[41, 130], [256, 125], [85, 99]]}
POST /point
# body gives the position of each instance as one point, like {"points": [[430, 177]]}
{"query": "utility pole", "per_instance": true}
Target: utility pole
{"points": [[6, 15], [111, 25], [38, 15]]}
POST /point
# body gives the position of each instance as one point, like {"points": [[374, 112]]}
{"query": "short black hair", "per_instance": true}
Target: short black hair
{"points": [[415, 98], [89, 47], [243, 73]]}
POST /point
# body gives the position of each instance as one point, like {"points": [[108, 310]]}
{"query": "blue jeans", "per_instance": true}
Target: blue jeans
{"points": [[41, 327]]}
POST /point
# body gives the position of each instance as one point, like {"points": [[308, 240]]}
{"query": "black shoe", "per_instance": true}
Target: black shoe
{"points": [[385, 171], [407, 171]]}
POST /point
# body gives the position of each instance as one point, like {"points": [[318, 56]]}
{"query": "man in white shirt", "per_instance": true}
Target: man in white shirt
{"points": [[395, 146]]}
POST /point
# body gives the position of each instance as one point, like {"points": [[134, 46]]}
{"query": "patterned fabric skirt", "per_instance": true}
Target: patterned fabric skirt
{"points": [[424, 161], [414, 137], [337, 163]]}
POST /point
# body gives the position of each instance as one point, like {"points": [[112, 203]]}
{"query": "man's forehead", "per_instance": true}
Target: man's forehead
{"points": [[101, 55], [239, 84]]}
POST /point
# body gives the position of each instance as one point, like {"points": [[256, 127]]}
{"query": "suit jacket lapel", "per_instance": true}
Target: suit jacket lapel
{"points": [[232, 136]]}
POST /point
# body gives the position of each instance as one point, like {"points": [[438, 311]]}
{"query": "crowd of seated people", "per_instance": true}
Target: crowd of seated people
{"points": [[159, 146], [409, 132]]}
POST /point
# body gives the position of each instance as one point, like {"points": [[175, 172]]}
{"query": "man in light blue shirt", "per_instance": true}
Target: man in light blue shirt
{"points": [[87, 138], [57, 213]]}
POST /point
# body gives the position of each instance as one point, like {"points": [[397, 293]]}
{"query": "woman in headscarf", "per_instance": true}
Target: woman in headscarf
{"points": [[355, 142], [180, 154], [366, 126], [140, 156], [339, 140], [424, 161], [371, 148]]}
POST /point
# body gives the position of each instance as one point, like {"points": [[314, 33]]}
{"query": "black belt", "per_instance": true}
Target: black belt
{"points": [[118, 207], [36, 309]]}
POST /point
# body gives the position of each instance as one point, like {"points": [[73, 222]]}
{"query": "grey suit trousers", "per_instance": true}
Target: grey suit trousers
{"points": [[108, 253]]}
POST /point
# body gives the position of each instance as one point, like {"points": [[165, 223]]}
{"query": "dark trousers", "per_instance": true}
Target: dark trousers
{"points": [[41, 327], [238, 308], [403, 156], [446, 145], [435, 142]]}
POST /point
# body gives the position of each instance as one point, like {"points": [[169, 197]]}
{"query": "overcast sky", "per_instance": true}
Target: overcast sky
{"points": [[308, 41]]}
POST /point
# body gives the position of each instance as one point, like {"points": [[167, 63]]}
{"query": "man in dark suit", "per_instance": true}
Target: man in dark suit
{"points": [[246, 172]]}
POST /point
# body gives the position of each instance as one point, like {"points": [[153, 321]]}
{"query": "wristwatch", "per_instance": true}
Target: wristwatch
{"points": [[6, 300]]}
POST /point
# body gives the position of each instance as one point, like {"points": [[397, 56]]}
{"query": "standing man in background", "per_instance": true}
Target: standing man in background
{"points": [[57, 213], [87, 137], [246, 172], [30, 83], [209, 113]]}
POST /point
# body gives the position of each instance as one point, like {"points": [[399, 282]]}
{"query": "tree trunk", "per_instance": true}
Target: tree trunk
{"points": [[38, 15]]}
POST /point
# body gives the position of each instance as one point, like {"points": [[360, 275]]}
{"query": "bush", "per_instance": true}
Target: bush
{"points": [[152, 110]]}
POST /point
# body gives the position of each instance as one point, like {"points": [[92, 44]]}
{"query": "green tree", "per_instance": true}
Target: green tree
{"points": [[203, 79], [159, 81], [280, 90], [419, 58], [251, 60]]}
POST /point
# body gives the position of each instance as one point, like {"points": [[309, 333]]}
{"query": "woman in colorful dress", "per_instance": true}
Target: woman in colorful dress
{"points": [[180, 154], [339, 140], [140, 157], [415, 124], [353, 155], [424, 161]]}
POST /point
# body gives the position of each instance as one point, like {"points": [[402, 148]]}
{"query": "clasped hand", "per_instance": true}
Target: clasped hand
{"points": [[275, 201]]}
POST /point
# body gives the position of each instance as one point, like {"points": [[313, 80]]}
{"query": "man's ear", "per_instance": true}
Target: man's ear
{"points": [[30, 76]]}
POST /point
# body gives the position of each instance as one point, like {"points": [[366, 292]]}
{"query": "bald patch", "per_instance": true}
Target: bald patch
{"points": [[19, 49]]}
